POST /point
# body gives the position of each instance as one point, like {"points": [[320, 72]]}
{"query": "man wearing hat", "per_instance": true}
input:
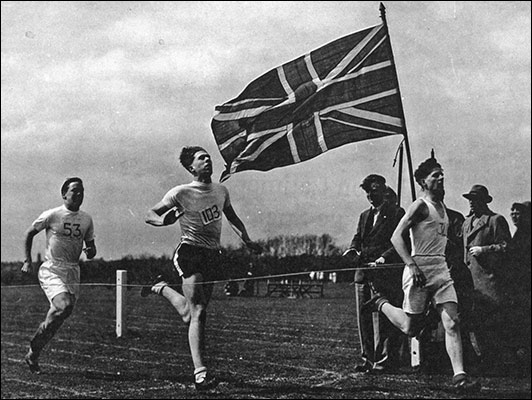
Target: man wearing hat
{"points": [[380, 352], [486, 237]]}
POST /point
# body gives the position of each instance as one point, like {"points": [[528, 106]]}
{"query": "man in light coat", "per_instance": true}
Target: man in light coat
{"points": [[486, 236]]}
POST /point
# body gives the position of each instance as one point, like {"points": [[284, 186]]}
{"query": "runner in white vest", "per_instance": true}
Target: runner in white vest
{"points": [[67, 227], [426, 276]]}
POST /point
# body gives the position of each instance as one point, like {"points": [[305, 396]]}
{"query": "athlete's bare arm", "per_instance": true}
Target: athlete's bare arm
{"points": [[28, 243], [240, 229], [416, 213], [90, 249], [156, 215]]}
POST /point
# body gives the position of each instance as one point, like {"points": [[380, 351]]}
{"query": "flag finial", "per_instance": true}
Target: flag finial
{"points": [[382, 9]]}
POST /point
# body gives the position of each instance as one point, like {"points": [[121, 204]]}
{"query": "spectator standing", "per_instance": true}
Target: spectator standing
{"points": [[519, 253], [371, 244], [486, 236]]}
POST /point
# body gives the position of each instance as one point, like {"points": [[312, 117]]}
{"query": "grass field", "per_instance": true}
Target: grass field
{"points": [[258, 347]]}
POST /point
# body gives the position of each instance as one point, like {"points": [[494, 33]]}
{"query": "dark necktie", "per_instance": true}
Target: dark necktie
{"points": [[369, 222]]}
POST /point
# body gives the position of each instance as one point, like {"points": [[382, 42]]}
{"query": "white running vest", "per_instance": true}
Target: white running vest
{"points": [[429, 237], [201, 205], [65, 232]]}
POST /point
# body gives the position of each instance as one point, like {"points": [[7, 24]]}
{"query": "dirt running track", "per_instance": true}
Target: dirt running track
{"points": [[258, 347]]}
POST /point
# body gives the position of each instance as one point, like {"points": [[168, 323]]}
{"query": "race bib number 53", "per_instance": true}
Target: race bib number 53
{"points": [[210, 214]]}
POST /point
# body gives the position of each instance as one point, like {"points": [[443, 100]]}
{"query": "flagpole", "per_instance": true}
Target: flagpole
{"points": [[400, 174], [405, 134]]}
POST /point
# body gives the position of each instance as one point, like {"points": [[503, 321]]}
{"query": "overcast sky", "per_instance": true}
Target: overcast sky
{"points": [[111, 91]]}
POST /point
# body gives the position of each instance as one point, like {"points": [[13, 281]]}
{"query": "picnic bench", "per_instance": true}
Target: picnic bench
{"points": [[294, 288]]}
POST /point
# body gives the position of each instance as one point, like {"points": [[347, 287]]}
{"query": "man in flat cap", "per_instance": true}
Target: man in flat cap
{"points": [[380, 352], [486, 237]]}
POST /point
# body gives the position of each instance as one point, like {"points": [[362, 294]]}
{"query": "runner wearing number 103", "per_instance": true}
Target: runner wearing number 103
{"points": [[199, 206]]}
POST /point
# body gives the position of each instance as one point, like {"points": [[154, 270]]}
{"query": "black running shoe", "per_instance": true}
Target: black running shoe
{"points": [[375, 303], [32, 362], [208, 383], [462, 383], [146, 290], [364, 368]]}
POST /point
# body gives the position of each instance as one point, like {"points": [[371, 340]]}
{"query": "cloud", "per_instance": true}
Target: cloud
{"points": [[513, 41], [135, 31]]}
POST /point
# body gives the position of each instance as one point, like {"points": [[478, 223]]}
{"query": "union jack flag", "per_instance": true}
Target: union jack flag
{"points": [[343, 92]]}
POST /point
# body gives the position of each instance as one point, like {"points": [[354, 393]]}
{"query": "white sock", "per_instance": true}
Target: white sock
{"points": [[158, 287], [200, 374]]}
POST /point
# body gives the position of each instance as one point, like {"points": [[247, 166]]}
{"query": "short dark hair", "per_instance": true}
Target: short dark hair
{"points": [[373, 178], [187, 155], [523, 207], [67, 182], [425, 168]]}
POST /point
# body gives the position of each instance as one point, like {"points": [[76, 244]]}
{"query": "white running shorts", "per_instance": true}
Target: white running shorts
{"points": [[58, 277]]}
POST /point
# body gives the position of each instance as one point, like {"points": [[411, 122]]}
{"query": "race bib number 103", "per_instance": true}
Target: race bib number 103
{"points": [[210, 214]]}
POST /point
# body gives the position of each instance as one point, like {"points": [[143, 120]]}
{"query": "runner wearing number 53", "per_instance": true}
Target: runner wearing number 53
{"points": [[67, 227], [199, 206]]}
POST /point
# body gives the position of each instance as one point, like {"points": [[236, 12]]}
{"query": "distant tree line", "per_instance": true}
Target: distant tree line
{"points": [[292, 245], [284, 254]]}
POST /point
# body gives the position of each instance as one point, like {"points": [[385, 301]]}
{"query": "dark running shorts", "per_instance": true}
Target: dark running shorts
{"points": [[189, 260]]}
